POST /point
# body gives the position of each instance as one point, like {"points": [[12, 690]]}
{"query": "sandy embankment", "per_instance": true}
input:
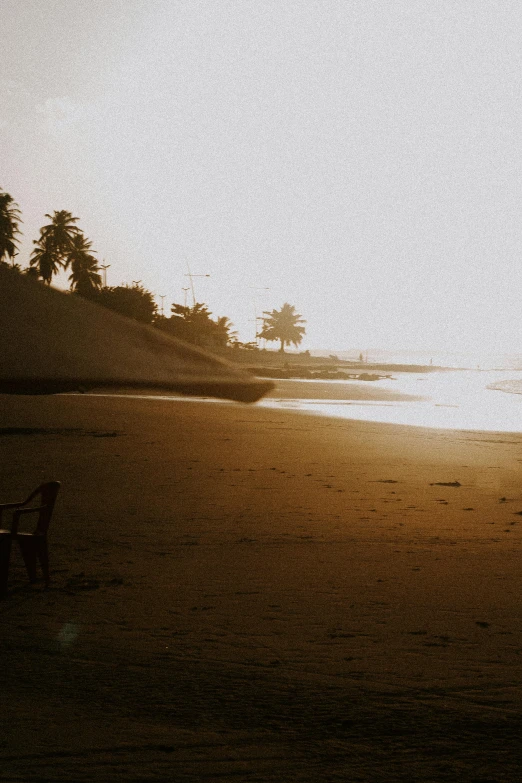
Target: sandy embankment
{"points": [[250, 594]]}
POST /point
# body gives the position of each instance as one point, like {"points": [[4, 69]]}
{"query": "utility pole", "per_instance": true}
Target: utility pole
{"points": [[162, 297], [191, 278], [185, 296], [136, 283], [257, 317], [104, 267]]}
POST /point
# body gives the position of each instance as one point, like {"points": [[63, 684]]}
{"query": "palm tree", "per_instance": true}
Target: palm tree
{"points": [[44, 261], [59, 234], [224, 331], [84, 277], [54, 245], [9, 222], [283, 325]]}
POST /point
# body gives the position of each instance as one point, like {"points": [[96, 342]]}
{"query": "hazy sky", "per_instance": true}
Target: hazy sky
{"points": [[362, 159]]}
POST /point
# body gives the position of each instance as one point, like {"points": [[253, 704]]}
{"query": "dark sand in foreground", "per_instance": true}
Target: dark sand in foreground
{"points": [[246, 594]]}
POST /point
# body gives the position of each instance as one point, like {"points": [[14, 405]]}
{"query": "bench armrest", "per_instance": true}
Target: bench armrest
{"points": [[18, 514], [5, 506]]}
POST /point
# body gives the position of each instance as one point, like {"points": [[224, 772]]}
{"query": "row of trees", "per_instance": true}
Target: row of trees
{"points": [[63, 246]]}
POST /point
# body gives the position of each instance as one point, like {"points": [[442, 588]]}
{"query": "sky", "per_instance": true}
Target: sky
{"points": [[359, 159]]}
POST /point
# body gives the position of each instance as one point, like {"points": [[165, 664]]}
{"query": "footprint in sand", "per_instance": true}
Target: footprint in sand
{"points": [[79, 582]]}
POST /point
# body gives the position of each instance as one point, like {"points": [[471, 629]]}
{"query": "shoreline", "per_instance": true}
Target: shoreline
{"points": [[468, 401], [336, 390]]}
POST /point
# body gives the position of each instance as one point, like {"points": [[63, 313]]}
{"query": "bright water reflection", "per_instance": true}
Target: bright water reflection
{"points": [[453, 400]]}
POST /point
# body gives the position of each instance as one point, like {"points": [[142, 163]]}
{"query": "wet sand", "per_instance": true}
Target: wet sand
{"points": [[250, 594], [337, 390]]}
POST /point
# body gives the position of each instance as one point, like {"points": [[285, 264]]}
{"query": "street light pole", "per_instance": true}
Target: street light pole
{"points": [[190, 277], [257, 318], [104, 267]]}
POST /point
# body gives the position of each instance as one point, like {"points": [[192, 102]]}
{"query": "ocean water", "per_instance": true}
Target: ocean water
{"points": [[456, 399]]}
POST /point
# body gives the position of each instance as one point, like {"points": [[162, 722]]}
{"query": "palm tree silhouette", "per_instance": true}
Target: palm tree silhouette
{"points": [[85, 271], [59, 234], [54, 245], [283, 325], [224, 331], [9, 222], [43, 260]]}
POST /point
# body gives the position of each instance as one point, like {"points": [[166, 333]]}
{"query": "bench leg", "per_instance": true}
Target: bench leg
{"points": [[33, 549], [28, 550], [43, 556], [5, 554]]}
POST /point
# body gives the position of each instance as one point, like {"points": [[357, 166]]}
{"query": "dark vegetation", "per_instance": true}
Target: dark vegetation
{"points": [[283, 325], [62, 245]]}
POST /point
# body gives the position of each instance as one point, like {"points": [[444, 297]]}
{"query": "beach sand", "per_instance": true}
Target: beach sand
{"points": [[245, 594]]}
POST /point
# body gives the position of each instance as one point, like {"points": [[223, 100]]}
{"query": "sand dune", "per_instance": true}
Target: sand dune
{"points": [[249, 594]]}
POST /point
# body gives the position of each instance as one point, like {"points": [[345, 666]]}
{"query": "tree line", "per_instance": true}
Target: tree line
{"points": [[62, 245]]}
